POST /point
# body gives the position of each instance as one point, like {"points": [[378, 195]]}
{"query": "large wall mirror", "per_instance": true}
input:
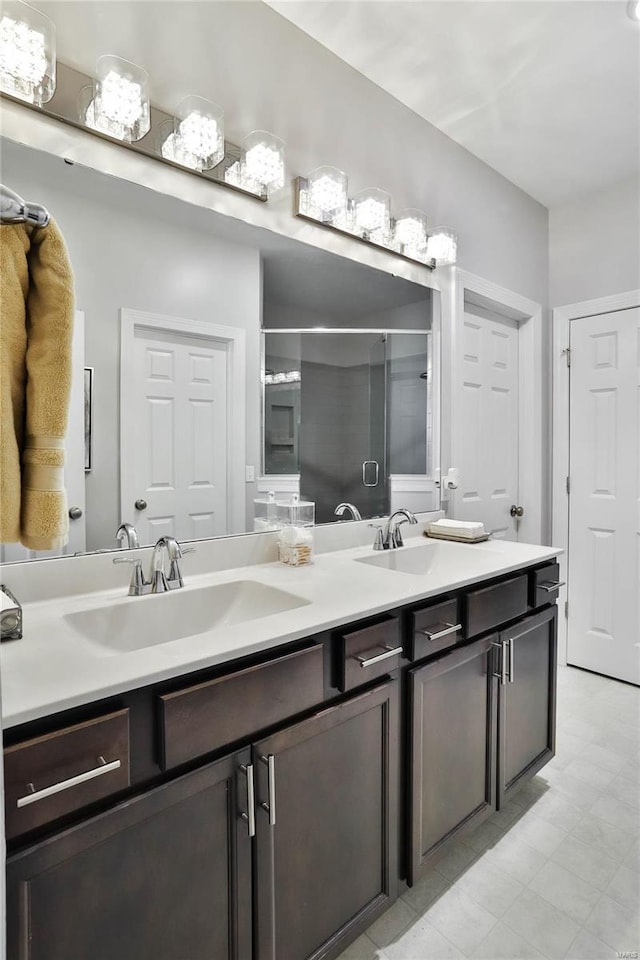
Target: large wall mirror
{"points": [[215, 360]]}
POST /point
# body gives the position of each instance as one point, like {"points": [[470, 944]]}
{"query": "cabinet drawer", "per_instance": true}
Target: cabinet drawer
{"points": [[53, 775], [434, 628], [368, 653], [490, 606], [206, 716], [544, 585]]}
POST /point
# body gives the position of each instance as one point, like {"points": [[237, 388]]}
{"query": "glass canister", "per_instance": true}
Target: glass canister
{"points": [[265, 513], [296, 519]]}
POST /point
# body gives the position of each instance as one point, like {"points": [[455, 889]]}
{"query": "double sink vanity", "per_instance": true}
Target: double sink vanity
{"points": [[251, 766]]}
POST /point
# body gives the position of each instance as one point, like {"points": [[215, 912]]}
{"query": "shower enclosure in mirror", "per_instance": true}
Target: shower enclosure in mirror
{"points": [[346, 416]]}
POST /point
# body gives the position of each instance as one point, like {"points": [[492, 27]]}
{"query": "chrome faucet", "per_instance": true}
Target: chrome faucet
{"points": [[159, 581], [127, 532], [342, 509], [389, 537]]}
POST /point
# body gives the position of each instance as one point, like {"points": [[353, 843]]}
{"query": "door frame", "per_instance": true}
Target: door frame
{"points": [[234, 339], [528, 314], [562, 317]]}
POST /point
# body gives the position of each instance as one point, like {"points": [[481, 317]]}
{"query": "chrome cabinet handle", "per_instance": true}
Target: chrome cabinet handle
{"points": [[75, 513], [98, 771], [551, 585], [369, 661], [449, 628], [140, 504], [502, 673], [511, 673], [250, 816], [364, 473], [270, 807], [516, 511]]}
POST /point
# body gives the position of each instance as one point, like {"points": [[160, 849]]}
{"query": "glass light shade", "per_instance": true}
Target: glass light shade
{"points": [[27, 53], [442, 246], [263, 163], [371, 212], [119, 105], [327, 193], [196, 136], [410, 233]]}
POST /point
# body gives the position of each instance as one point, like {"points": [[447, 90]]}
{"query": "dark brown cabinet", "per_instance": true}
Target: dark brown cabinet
{"points": [[166, 875], [482, 720], [527, 699], [326, 795], [122, 848], [452, 706]]}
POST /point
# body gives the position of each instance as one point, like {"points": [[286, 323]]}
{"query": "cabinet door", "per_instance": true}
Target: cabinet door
{"points": [[166, 875], [527, 701], [452, 753], [326, 819]]}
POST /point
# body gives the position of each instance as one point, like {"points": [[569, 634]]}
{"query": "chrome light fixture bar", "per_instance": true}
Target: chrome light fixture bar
{"points": [[104, 106], [322, 198]]}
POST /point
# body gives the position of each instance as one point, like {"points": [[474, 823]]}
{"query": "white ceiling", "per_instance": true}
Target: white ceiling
{"points": [[546, 92]]}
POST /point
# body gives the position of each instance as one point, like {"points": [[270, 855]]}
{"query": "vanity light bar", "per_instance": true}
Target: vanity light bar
{"points": [[114, 106], [366, 217]]}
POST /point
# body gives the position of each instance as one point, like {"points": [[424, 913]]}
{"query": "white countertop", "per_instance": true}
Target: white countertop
{"points": [[54, 668]]}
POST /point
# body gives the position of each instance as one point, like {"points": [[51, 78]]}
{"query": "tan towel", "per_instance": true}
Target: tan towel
{"points": [[36, 328]]}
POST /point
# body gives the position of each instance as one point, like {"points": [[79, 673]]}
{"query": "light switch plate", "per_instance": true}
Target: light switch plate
{"points": [[250, 474]]}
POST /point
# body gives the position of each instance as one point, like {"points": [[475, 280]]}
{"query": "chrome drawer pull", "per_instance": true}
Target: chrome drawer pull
{"points": [[369, 661], [449, 628], [71, 782], [250, 816], [551, 585], [511, 674], [270, 807]]}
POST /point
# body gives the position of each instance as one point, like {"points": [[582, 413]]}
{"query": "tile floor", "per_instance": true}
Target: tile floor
{"points": [[555, 873]]}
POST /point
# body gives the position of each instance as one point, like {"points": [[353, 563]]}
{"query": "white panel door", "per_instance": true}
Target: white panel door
{"points": [[487, 454], [604, 504], [74, 479], [174, 437]]}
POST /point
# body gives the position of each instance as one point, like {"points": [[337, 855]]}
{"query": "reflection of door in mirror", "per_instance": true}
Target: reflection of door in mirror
{"points": [[174, 432], [74, 462]]}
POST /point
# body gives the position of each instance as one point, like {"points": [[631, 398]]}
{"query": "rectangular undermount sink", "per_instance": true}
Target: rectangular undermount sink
{"points": [[441, 558], [137, 622]]}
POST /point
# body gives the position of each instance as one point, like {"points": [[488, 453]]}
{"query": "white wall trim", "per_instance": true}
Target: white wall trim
{"points": [[562, 317], [234, 338], [528, 313]]}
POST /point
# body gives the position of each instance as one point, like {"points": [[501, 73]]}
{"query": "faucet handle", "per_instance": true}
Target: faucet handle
{"points": [[138, 585], [174, 579], [378, 543]]}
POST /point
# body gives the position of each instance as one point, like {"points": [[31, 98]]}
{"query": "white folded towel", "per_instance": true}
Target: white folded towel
{"points": [[468, 529]]}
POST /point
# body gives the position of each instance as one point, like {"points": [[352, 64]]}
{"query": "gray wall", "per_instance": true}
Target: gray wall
{"points": [[594, 245], [270, 75], [141, 257]]}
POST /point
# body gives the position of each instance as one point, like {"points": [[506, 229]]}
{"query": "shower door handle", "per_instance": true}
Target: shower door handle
{"points": [[365, 463]]}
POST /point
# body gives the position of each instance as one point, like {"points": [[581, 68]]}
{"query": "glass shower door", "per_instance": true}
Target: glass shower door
{"points": [[375, 479], [343, 442]]}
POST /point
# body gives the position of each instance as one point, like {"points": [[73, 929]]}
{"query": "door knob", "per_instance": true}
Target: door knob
{"points": [[75, 513], [140, 504], [516, 511]]}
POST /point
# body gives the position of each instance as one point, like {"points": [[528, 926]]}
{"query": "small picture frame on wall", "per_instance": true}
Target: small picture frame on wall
{"points": [[88, 418]]}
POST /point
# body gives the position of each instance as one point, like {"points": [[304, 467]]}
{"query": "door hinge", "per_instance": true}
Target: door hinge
{"points": [[567, 355], [568, 485], [566, 609]]}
